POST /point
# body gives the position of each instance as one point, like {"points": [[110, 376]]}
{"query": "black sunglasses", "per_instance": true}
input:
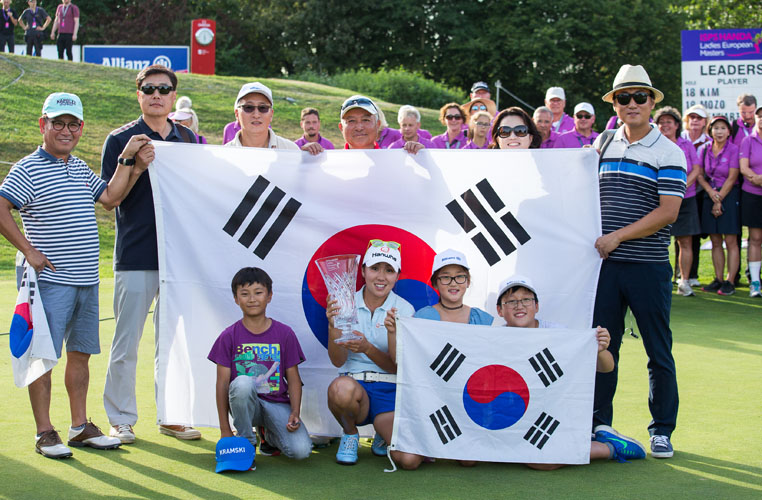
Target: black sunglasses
{"points": [[505, 131], [640, 97], [454, 117], [249, 108], [163, 89], [582, 116]]}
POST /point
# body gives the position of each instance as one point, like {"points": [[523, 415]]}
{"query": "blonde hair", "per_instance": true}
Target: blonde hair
{"points": [[472, 122]]}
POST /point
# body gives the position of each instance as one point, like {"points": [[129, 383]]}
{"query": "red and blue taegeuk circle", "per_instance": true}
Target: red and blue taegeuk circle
{"points": [[495, 397], [22, 330], [412, 285]]}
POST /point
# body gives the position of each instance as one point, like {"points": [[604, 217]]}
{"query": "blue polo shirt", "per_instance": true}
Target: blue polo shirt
{"points": [[135, 248]]}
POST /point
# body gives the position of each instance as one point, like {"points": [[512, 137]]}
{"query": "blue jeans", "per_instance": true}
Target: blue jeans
{"points": [[646, 289], [249, 410]]}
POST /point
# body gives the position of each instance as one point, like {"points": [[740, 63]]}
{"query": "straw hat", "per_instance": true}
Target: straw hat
{"points": [[630, 77]]}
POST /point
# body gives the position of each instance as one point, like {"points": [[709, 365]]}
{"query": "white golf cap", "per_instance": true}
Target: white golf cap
{"points": [[555, 92], [254, 88], [516, 280], [383, 251], [359, 101], [584, 106], [448, 257]]}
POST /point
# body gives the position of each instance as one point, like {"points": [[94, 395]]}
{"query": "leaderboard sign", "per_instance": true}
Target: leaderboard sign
{"points": [[138, 57], [720, 65]]}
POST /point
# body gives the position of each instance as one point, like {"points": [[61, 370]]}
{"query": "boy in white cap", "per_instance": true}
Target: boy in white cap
{"points": [[642, 178], [518, 304], [555, 99], [583, 134], [365, 390], [55, 193]]}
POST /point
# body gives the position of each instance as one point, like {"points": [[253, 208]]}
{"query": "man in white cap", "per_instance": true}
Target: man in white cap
{"points": [[583, 134], [360, 125], [642, 179], [555, 99], [54, 193]]}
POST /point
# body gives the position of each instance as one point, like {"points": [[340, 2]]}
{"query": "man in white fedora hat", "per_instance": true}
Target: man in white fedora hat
{"points": [[642, 178]]}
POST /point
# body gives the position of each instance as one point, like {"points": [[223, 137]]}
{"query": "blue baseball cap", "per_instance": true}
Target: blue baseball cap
{"points": [[234, 453], [62, 103]]}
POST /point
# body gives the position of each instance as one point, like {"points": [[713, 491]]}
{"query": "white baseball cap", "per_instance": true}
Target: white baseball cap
{"points": [[555, 92], [383, 251], [584, 106], [359, 101], [516, 280], [254, 88], [448, 257]]}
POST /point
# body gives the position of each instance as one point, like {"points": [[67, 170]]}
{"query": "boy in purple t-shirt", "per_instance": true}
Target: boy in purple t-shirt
{"points": [[258, 379]]}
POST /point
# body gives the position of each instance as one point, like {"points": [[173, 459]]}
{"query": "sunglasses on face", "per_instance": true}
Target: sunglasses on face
{"points": [[640, 97], [583, 116], [163, 89], [482, 124], [59, 125], [453, 117], [249, 108], [478, 107], [505, 131]]}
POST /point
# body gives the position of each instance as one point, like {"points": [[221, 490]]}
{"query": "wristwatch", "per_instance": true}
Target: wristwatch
{"points": [[126, 161]]}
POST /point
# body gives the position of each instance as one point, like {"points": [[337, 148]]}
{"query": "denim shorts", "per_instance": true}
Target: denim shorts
{"points": [[72, 313]]}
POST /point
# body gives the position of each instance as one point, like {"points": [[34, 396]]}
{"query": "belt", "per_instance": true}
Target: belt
{"points": [[373, 377]]}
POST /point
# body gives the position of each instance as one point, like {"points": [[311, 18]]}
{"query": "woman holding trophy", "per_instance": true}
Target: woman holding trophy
{"points": [[364, 392]]}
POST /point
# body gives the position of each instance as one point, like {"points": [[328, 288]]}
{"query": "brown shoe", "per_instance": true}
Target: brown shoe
{"points": [[184, 432], [49, 444], [92, 436]]}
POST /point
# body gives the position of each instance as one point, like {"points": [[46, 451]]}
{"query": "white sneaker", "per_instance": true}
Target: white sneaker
{"points": [[48, 444], [91, 436], [694, 282], [684, 288], [123, 432]]}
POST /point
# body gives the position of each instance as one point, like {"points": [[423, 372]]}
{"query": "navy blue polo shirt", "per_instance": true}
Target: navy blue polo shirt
{"points": [[135, 248]]}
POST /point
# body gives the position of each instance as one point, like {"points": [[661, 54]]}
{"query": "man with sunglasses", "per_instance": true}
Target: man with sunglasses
{"points": [[136, 258], [555, 100], [642, 178], [360, 124], [583, 134], [55, 193]]}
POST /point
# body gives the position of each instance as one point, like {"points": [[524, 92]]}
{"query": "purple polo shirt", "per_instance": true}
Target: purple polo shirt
{"points": [[231, 129], [321, 140], [751, 148], [691, 159], [743, 132], [388, 136], [574, 139], [399, 144], [67, 15], [567, 123], [612, 123], [440, 141], [472, 145], [717, 168], [424, 133], [550, 142]]}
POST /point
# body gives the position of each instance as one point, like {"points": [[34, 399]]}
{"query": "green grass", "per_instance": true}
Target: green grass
{"points": [[718, 351]]}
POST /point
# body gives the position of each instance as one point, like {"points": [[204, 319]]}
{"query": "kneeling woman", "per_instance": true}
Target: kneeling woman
{"points": [[365, 390]]}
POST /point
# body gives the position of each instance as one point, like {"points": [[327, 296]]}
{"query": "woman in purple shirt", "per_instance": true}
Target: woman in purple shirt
{"points": [[695, 126], [687, 224], [478, 130], [751, 199], [452, 116], [721, 217], [409, 119], [386, 135]]}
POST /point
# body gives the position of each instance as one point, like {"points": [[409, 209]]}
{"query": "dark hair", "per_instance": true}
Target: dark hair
{"points": [[156, 69], [714, 120], [516, 111], [443, 111], [434, 276], [249, 276], [513, 289], [670, 111], [309, 111], [746, 100]]}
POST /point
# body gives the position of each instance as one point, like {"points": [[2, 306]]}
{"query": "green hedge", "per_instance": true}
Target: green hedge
{"points": [[394, 85]]}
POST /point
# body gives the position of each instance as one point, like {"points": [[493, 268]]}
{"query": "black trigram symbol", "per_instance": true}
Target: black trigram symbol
{"points": [[445, 425], [489, 222], [546, 367], [541, 430], [264, 214], [449, 360]]}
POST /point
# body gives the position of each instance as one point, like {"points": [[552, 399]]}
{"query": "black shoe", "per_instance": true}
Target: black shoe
{"points": [[727, 288], [713, 287], [265, 448]]}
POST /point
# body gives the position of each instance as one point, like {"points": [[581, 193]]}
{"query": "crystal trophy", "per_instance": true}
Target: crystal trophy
{"points": [[340, 275]]}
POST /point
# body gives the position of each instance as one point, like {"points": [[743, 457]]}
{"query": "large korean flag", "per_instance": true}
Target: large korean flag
{"points": [[222, 208], [494, 394]]}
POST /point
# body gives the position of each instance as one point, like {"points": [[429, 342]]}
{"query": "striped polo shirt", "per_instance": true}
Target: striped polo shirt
{"points": [[56, 201], [632, 177]]}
